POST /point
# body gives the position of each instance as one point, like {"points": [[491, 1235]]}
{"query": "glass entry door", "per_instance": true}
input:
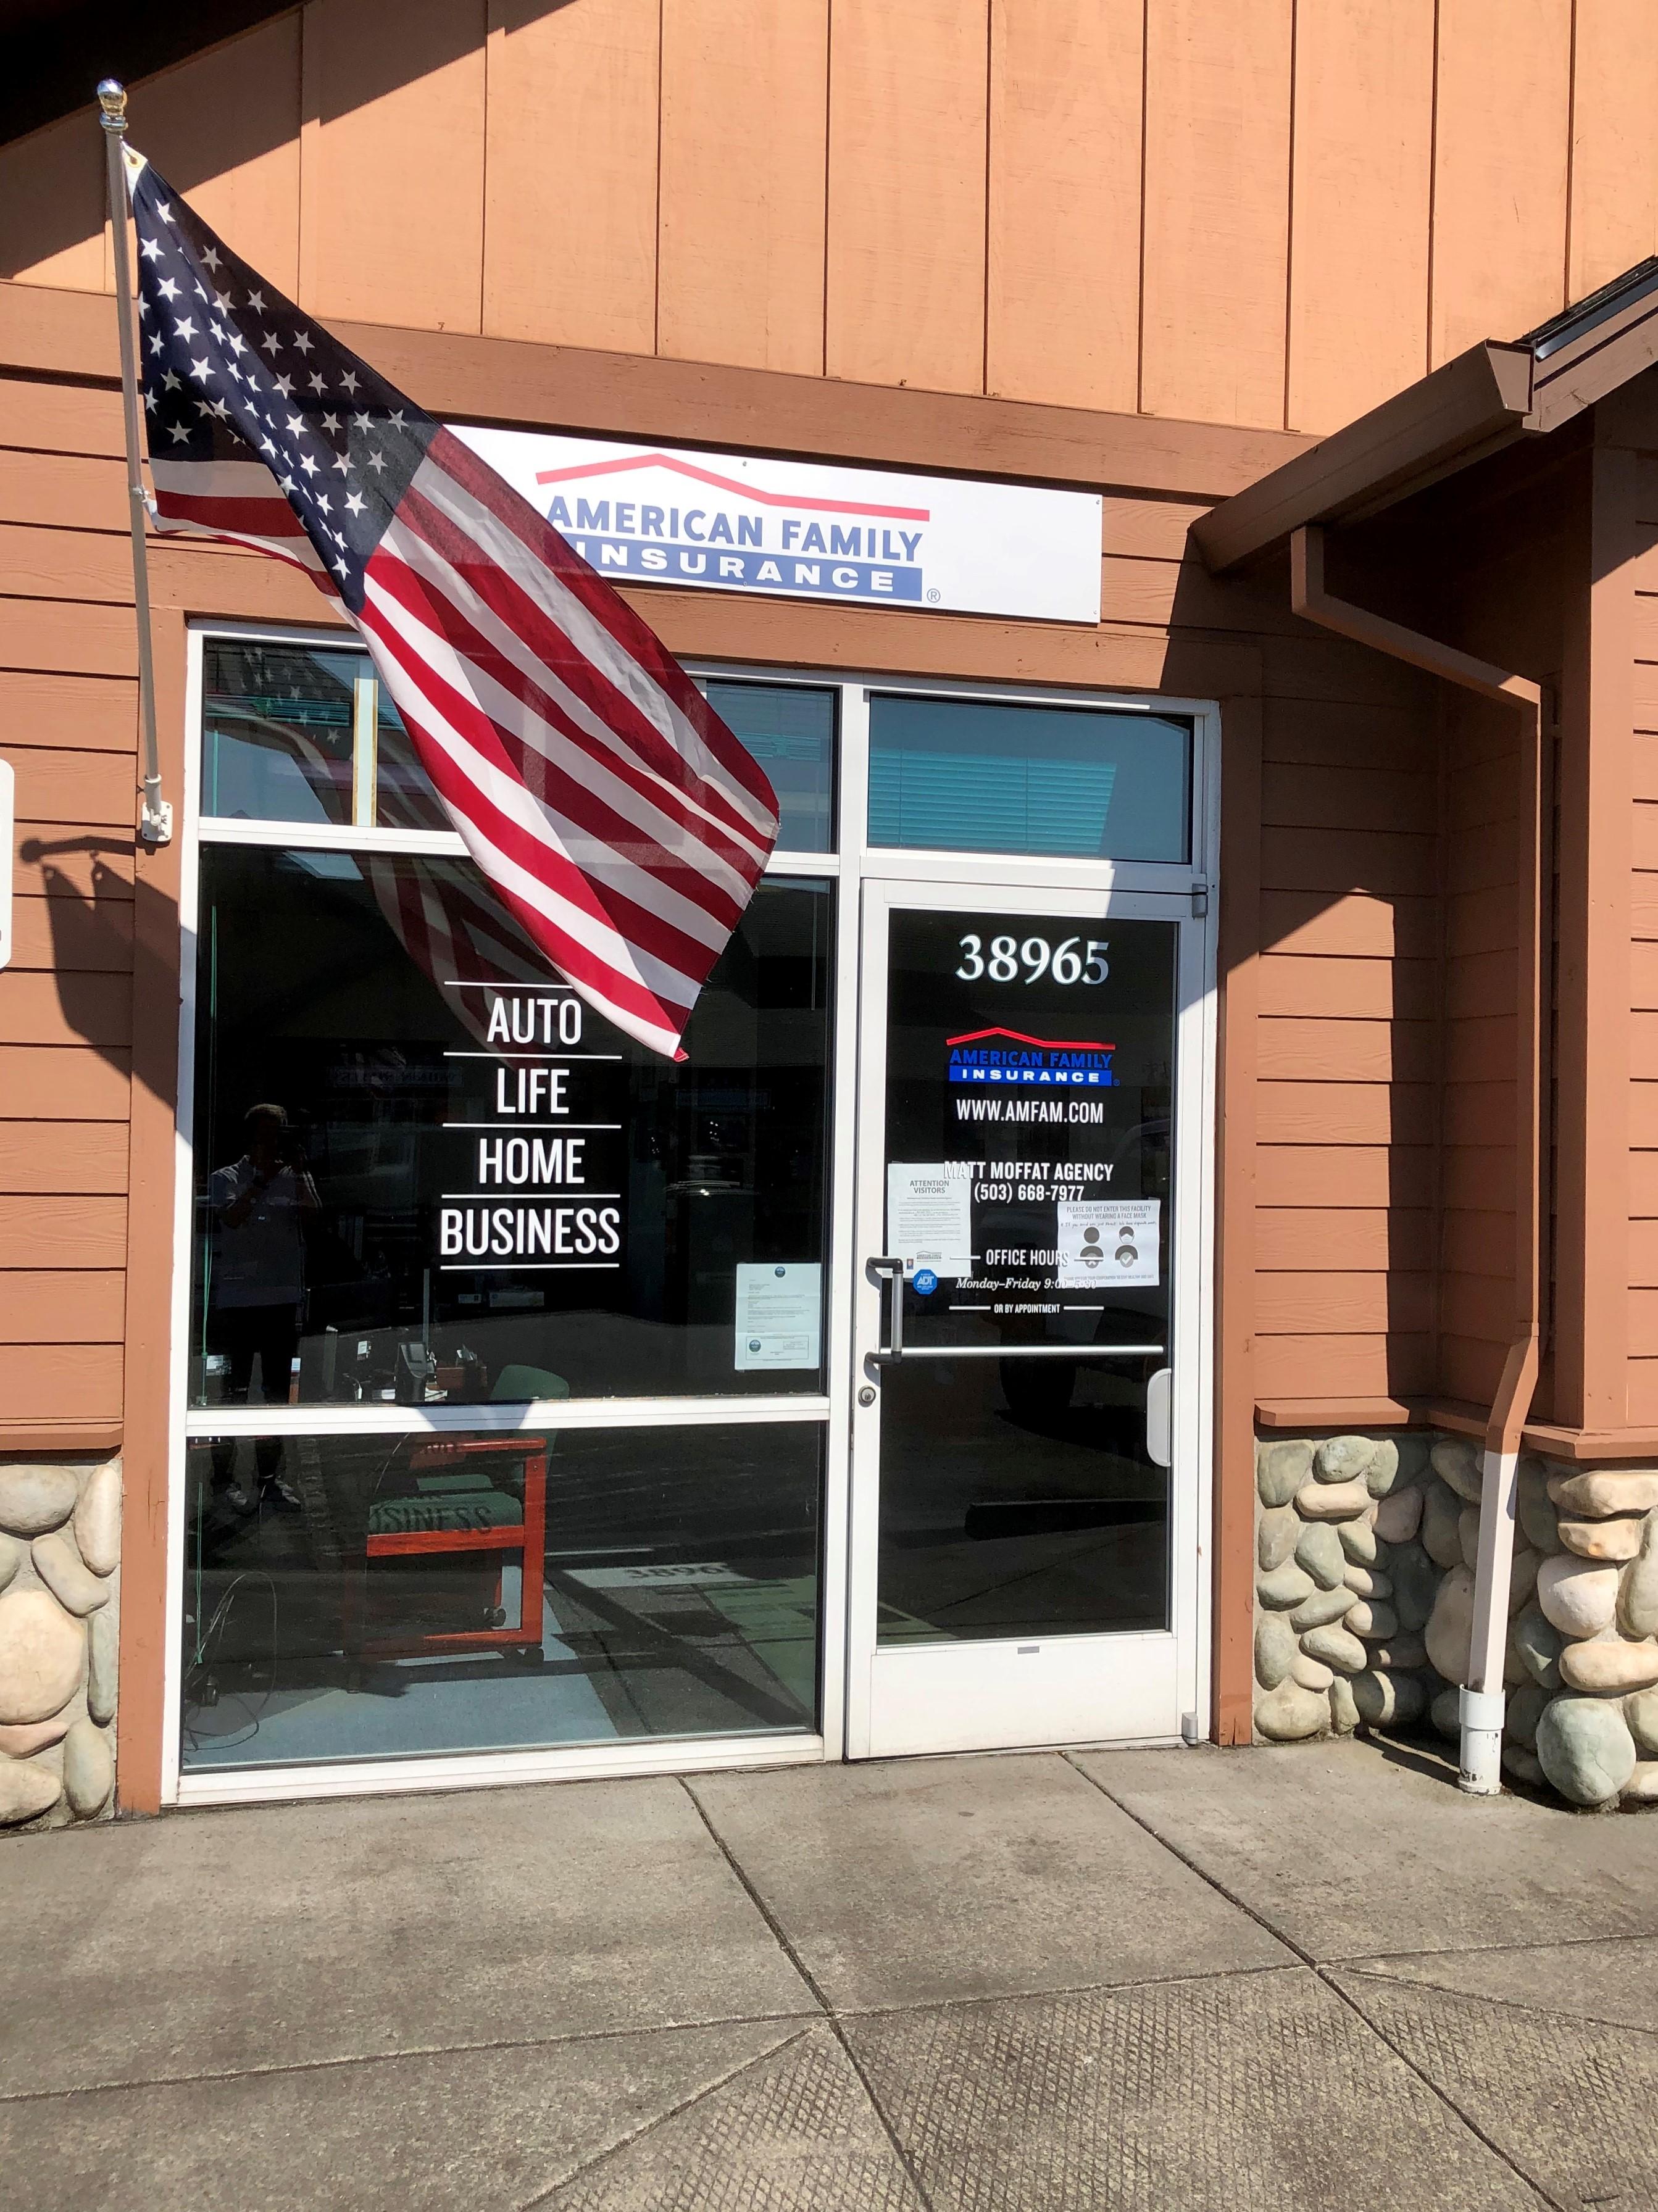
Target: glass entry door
{"points": [[1024, 1533]]}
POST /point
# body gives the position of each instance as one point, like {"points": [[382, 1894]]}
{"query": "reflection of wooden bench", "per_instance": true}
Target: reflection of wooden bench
{"points": [[444, 1517]]}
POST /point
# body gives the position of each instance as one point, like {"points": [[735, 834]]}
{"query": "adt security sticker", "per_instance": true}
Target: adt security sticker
{"points": [[1101, 1240]]}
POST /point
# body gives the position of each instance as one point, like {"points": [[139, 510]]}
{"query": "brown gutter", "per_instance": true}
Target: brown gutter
{"points": [[1483, 1709], [1467, 409]]}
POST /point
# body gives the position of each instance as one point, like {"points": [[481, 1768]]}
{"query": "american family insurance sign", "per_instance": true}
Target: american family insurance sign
{"points": [[723, 522]]}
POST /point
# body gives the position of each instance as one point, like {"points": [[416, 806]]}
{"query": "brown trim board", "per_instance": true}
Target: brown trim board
{"points": [[49, 332]]}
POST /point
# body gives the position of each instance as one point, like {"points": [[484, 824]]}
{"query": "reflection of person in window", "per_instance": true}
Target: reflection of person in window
{"points": [[260, 1205]]}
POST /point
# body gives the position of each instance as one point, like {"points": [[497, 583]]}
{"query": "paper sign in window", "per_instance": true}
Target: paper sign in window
{"points": [[930, 1215], [1101, 1240], [780, 1307]]}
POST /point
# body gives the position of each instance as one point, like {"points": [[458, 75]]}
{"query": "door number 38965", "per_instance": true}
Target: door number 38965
{"points": [[1008, 960]]}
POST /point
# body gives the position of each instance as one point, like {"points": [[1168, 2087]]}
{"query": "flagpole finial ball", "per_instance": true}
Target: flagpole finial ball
{"points": [[112, 99]]}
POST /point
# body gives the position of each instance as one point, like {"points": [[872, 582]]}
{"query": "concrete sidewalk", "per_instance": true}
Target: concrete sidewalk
{"points": [[1315, 1977]]}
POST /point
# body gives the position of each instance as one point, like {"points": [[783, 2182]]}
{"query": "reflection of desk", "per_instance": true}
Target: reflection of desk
{"points": [[395, 1531]]}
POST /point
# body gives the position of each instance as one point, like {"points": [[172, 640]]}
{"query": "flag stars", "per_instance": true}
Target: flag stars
{"points": [[179, 433], [364, 422], [295, 424], [349, 381], [210, 257], [151, 249], [164, 210], [285, 386], [342, 463], [169, 381], [185, 330], [308, 464], [221, 302], [316, 382], [330, 422], [355, 503], [256, 301], [168, 288], [270, 343], [303, 341], [200, 369], [377, 461]]}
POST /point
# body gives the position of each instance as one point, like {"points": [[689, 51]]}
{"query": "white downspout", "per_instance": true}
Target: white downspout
{"points": [[1481, 1704]]}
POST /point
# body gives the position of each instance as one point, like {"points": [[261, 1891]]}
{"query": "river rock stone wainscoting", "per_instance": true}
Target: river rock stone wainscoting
{"points": [[1365, 1548], [60, 1559]]}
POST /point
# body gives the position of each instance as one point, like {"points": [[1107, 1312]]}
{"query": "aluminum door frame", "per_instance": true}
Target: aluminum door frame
{"points": [[1163, 1674]]}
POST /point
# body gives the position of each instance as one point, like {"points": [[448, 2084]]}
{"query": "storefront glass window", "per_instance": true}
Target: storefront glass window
{"points": [[427, 1174], [384, 1596], [276, 731], [790, 730], [979, 776]]}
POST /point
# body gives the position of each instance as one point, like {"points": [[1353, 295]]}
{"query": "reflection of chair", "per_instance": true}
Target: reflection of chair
{"points": [[454, 1507]]}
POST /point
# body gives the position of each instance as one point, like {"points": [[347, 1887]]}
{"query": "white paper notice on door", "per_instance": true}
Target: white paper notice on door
{"points": [[930, 1215], [780, 1306], [1102, 1241]]}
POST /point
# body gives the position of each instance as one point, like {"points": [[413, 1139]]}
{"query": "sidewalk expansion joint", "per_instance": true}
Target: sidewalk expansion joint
{"points": [[1241, 1905], [780, 1935]]}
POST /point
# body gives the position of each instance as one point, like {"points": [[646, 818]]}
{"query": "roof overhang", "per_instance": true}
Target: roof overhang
{"points": [[1486, 398]]}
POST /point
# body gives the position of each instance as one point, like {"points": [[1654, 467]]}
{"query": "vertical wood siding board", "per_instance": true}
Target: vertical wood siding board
{"points": [[52, 197], [1607, 711], [1216, 202], [1614, 170], [742, 180], [1237, 1163], [141, 1719], [223, 127], [1359, 237], [1062, 296], [908, 134], [392, 148], [1500, 163]]}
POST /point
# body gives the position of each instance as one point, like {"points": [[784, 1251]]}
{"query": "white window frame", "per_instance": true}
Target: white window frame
{"points": [[853, 861]]}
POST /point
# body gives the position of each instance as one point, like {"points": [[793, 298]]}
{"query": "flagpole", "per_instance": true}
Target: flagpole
{"points": [[154, 814]]}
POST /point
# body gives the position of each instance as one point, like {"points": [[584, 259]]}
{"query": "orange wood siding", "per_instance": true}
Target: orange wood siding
{"points": [[1347, 1036], [1338, 194], [68, 707]]}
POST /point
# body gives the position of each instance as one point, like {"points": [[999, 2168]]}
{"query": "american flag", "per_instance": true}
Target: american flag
{"points": [[609, 806]]}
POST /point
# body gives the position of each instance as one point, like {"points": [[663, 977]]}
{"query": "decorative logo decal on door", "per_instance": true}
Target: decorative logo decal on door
{"points": [[1000, 1055]]}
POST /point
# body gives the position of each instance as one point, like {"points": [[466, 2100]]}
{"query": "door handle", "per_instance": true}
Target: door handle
{"points": [[891, 1272], [1159, 1407]]}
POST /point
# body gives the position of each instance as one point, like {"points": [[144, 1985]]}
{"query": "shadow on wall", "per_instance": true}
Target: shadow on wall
{"points": [[102, 971], [215, 87]]}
